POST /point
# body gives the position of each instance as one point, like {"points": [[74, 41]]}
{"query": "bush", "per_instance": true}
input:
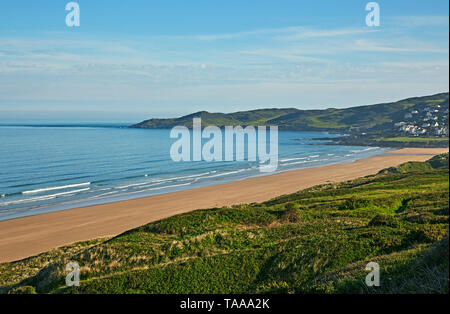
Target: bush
{"points": [[383, 220], [290, 206], [291, 214], [24, 290], [355, 203], [428, 234], [414, 166], [274, 287], [439, 161]]}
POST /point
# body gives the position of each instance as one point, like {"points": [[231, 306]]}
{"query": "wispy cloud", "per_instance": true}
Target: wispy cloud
{"points": [[285, 34], [367, 45], [259, 66], [305, 33]]}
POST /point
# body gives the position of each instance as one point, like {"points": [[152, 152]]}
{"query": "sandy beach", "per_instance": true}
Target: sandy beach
{"points": [[28, 236]]}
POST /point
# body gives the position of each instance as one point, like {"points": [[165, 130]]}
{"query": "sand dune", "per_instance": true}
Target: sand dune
{"points": [[24, 237]]}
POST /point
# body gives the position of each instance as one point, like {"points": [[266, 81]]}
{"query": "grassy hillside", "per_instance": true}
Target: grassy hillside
{"points": [[315, 241], [362, 118]]}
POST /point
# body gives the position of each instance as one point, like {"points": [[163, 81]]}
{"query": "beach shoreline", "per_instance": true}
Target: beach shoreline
{"points": [[31, 235]]}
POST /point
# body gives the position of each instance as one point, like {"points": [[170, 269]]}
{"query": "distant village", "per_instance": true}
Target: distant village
{"points": [[429, 121]]}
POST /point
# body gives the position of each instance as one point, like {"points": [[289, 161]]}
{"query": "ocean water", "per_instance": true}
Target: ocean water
{"points": [[49, 168]]}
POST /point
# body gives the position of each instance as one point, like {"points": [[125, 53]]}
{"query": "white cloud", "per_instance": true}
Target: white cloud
{"points": [[396, 46], [280, 66], [304, 33], [290, 33]]}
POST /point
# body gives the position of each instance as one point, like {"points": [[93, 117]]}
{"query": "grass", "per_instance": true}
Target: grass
{"points": [[314, 241]]}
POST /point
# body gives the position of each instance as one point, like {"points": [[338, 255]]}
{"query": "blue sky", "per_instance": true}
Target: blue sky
{"points": [[131, 60]]}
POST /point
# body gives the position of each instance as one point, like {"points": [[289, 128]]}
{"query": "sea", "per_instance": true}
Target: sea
{"points": [[45, 168]]}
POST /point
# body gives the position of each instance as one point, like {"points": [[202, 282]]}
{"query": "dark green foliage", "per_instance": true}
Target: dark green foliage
{"points": [[428, 233], [414, 166], [439, 161], [355, 203], [291, 214], [410, 271], [24, 290], [314, 241], [384, 220]]}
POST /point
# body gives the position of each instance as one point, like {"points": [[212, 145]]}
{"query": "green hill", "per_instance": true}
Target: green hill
{"points": [[358, 119], [314, 241]]}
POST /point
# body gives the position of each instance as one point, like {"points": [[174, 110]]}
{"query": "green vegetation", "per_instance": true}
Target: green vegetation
{"points": [[318, 240], [354, 118], [373, 125], [439, 161]]}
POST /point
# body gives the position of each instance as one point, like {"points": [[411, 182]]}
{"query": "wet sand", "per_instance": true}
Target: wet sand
{"points": [[28, 236]]}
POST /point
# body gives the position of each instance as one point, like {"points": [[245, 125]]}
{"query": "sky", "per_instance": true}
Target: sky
{"points": [[133, 60]]}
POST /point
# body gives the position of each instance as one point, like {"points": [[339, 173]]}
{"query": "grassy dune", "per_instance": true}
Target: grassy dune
{"points": [[315, 241]]}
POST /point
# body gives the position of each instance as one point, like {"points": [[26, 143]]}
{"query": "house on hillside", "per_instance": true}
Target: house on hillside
{"points": [[406, 128]]}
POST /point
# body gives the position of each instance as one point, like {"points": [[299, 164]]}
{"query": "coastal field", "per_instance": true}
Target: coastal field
{"points": [[317, 240]]}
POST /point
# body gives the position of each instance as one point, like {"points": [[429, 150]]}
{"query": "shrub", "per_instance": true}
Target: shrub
{"points": [[274, 287], [439, 161], [428, 234], [290, 214], [383, 220], [24, 290], [290, 206], [421, 218], [355, 203], [388, 170], [414, 166]]}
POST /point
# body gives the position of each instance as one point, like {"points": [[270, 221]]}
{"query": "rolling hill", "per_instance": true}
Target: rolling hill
{"points": [[368, 118]]}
